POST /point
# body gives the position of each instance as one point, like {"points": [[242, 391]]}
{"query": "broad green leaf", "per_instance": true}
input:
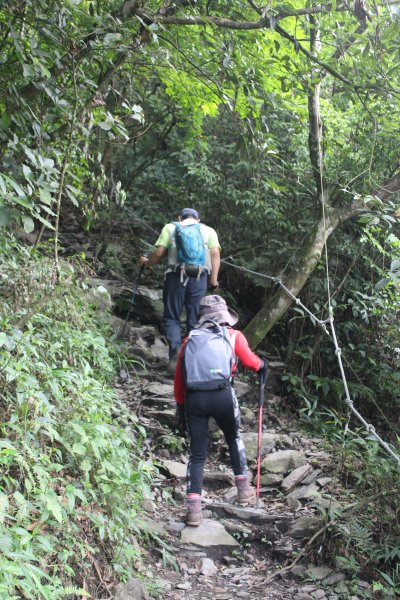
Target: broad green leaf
{"points": [[44, 221], [105, 125], [79, 429], [28, 223], [23, 202], [6, 542], [6, 120], [4, 504], [5, 216], [382, 283], [111, 38], [20, 192], [46, 543], [32, 157], [95, 449], [3, 186], [53, 505], [79, 448], [27, 172], [395, 266]]}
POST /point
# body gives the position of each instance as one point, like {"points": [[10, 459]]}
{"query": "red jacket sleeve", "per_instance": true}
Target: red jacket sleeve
{"points": [[179, 383], [243, 352]]}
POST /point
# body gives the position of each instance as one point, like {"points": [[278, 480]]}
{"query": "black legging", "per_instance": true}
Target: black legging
{"points": [[223, 406]]}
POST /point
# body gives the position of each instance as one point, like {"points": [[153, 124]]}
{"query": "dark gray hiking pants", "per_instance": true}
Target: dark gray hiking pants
{"points": [[176, 296], [224, 407]]}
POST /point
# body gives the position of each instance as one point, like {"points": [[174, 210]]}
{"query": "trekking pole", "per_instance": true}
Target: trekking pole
{"points": [[132, 302], [261, 395]]}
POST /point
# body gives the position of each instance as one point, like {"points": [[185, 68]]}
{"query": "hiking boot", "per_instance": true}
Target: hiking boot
{"points": [[194, 514], [172, 363], [246, 492]]}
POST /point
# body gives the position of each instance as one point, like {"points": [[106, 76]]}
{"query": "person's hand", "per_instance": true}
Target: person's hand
{"points": [[263, 372], [143, 260], [180, 419], [213, 286]]}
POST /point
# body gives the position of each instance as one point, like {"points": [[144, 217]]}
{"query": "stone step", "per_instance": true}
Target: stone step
{"points": [[249, 514]]}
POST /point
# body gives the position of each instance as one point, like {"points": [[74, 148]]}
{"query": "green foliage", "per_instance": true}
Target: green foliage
{"points": [[363, 527], [72, 474], [391, 586]]}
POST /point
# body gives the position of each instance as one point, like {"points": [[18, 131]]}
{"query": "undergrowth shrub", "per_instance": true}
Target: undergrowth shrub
{"points": [[363, 522], [72, 473]]}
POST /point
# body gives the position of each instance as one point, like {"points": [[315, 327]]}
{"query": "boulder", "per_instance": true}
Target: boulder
{"points": [[305, 527], [269, 440], [159, 390], [283, 461], [318, 573], [304, 492], [271, 479], [146, 342], [246, 513], [175, 469], [217, 480], [295, 477], [131, 590], [241, 388], [149, 305], [207, 567], [209, 533], [247, 415]]}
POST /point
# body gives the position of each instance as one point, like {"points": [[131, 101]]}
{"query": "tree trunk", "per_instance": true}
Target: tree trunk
{"points": [[309, 256]]}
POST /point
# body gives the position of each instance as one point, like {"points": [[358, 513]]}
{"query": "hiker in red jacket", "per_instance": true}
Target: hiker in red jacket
{"points": [[196, 406]]}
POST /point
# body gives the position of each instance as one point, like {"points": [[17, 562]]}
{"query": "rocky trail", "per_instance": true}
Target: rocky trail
{"points": [[273, 551]]}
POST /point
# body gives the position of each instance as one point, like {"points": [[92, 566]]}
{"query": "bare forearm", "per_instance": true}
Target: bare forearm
{"points": [[215, 265], [155, 257]]}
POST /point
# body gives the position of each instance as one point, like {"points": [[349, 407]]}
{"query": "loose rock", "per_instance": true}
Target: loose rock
{"points": [[207, 567], [131, 590], [295, 477], [209, 533], [283, 461]]}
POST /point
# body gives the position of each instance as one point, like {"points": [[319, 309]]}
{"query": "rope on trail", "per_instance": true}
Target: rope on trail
{"points": [[338, 351]]}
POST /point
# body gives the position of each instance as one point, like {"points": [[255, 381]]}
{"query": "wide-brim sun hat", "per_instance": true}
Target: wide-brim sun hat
{"points": [[214, 308]]}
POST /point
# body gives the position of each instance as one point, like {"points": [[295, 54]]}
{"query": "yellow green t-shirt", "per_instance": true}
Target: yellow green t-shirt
{"points": [[167, 239], [209, 234]]}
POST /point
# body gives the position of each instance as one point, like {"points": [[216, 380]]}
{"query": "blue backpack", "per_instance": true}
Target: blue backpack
{"points": [[208, 358], [190, 248]]}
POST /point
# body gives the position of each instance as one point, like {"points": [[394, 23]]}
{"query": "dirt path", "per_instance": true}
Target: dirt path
{"points": [[237, 552]]}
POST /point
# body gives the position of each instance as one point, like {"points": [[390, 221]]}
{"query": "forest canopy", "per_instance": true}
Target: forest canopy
{"points": [[279, 121]]}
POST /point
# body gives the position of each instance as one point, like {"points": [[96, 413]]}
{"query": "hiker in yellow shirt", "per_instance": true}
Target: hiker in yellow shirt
{"points": [[193, 256]]}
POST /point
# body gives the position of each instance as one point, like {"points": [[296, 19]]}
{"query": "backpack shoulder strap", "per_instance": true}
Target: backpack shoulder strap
{"points": [[232, 341]]}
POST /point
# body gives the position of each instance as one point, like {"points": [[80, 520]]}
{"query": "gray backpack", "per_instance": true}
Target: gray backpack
{"points": [[208, 358]]}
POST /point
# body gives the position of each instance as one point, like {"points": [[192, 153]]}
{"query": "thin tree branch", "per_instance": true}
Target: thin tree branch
{"points": [[265, 23], [64, 168], [254, 6], [314, 117], [226, 22]]}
